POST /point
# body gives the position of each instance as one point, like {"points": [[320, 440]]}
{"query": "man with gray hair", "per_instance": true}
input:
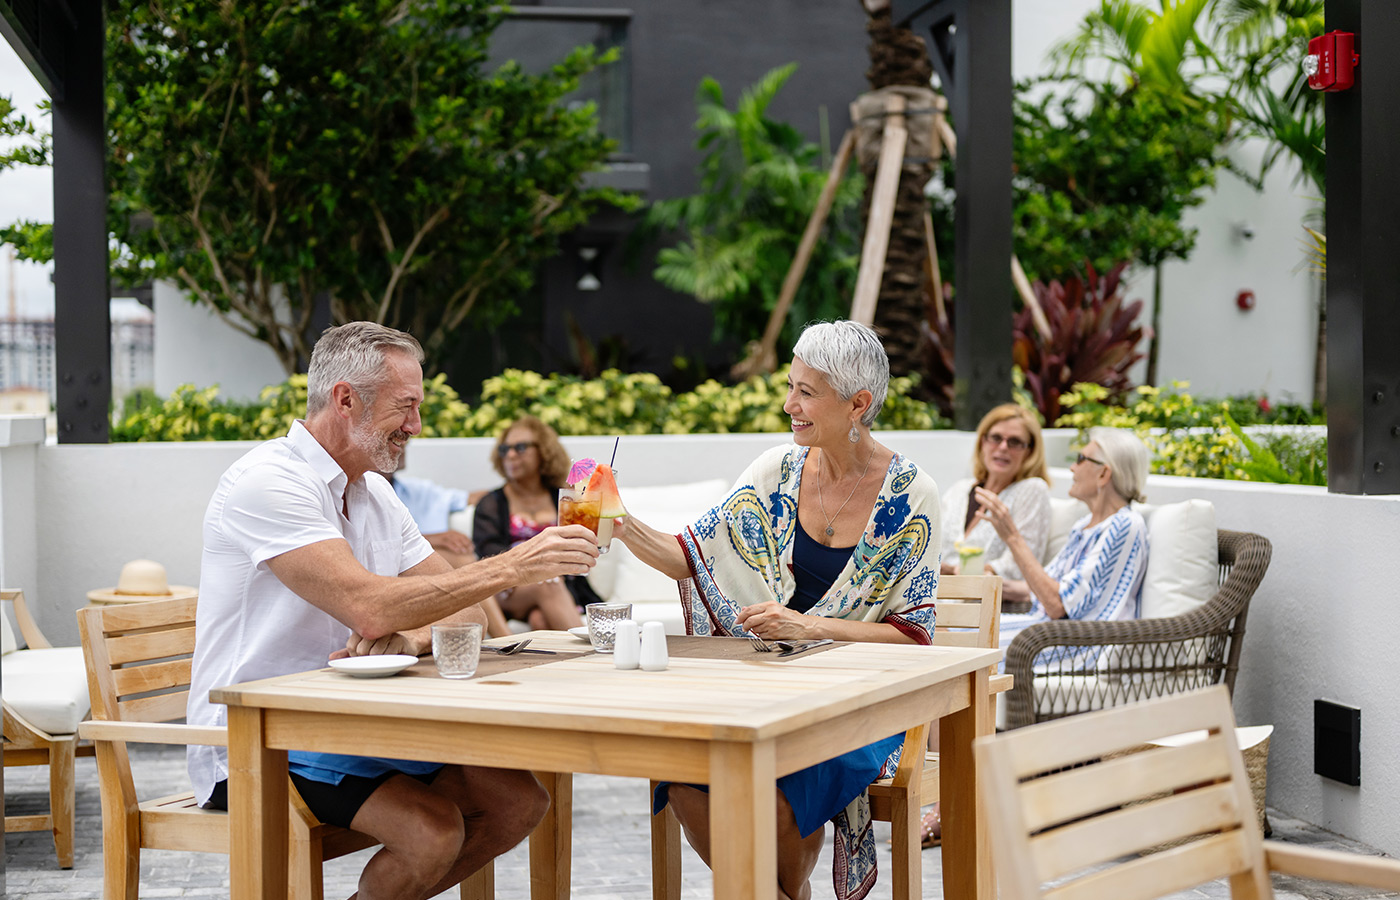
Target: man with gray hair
{"points": [[309, 556]]}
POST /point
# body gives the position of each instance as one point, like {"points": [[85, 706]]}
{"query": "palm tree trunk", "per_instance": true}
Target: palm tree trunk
{"points": [[898, 57], [1156, 325]]}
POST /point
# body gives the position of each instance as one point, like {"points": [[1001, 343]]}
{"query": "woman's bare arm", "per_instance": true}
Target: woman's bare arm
{"points": [[657, 549]]}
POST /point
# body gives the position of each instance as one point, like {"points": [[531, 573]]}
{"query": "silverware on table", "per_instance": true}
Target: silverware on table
{"points": [[792, 649]]}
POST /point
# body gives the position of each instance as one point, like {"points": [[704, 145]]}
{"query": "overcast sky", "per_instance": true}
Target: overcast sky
{"points": [[25, 193]]}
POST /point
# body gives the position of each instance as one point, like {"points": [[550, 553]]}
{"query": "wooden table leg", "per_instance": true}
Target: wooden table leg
{"points": [[551, 843], [257, 804], [967, 865], [665, 853], [744, 821]]}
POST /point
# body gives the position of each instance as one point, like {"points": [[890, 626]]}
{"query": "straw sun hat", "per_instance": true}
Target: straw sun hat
{"points": [[142, 579]]}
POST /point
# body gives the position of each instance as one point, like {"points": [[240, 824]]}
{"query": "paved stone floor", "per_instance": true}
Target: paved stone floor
{"points": [[611, 851]]}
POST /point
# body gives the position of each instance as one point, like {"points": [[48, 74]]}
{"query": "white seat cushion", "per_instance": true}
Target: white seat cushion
{"points": [[1183, 558], [1063, 515], [462, 520], [47, 687]]}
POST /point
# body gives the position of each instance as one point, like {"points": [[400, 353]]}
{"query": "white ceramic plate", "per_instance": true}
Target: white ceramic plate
{"points": [[580, 632], [373, 666]]}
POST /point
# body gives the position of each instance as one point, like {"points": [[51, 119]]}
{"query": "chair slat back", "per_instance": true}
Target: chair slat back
{"points": [[969, 611], [1069, 797], [139, 659]]}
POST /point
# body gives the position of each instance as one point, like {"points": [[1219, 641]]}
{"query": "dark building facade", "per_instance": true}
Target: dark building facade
{"points": [[668, 47]]}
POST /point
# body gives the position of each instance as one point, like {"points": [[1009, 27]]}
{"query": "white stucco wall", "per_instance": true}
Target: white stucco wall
{"points": [[194, 346]]}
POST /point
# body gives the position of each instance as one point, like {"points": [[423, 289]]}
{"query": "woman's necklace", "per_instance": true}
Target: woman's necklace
{"points": [[829, 519]]}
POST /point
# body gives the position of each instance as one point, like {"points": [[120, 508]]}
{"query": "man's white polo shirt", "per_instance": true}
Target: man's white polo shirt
{"points": [[280, 496]]}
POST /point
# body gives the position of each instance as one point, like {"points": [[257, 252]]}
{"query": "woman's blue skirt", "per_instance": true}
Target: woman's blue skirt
{"points": [[817, 793]]}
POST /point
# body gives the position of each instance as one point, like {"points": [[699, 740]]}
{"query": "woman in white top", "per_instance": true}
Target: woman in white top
{"points": [[1009, 461]]}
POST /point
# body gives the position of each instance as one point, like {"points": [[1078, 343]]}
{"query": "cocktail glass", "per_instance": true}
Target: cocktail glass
{"points": [[971, 560], [579, 508]]}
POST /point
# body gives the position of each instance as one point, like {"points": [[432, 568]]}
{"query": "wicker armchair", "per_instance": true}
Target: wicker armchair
{"points": [[1096, 665]]}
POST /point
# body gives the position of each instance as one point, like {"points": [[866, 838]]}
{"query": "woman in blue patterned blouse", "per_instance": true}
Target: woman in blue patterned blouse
{"points": [[1098, 575], [775, 559]]}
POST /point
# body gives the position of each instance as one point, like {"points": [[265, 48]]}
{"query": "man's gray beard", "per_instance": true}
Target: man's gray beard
{"points": [[381, 452]]}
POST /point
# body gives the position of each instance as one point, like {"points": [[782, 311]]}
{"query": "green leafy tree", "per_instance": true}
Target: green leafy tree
{"points": [[267, 155], [759, 182], [22, 143], [1106, 174], [1163, 55]]}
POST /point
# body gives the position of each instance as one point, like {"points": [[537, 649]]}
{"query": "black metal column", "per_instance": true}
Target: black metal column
{"points": [[970, 43], [82, 322], [1363, 267]]}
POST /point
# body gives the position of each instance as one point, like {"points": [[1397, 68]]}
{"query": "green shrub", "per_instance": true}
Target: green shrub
{"points": [[1197, 438], [613, 403]]}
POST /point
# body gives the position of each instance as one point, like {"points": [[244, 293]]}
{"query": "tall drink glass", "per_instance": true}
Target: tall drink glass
{"points": [[581, 508]]}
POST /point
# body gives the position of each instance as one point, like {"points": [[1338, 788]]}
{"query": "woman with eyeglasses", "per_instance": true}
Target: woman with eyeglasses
{"points": [[535, 465], [1098, 575], [1008, 461]]}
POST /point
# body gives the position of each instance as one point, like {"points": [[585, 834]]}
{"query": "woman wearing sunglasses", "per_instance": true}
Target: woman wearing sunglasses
{"points": [[1098, 575], [1009, 461], [533, 462]]}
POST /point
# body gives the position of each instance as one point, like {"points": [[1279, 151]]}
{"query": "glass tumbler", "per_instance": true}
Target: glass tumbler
{"points": [[457, 649], [602, 624]]}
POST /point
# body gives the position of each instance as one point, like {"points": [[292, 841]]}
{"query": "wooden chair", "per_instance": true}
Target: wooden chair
{"points": [[1066, 806], [44, 700], [969, 615], [138, 664], [969, 612]]}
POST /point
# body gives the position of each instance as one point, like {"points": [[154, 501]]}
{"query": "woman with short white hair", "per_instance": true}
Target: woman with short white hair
{"points": [[1098, 575], [777, 559]]}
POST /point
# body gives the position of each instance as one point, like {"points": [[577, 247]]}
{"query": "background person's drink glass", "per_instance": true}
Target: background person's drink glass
{"points": [[602, 624], [581, 508], [457, 649]]}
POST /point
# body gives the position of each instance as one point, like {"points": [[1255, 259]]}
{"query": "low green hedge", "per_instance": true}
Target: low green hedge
{"points": [[1203, 438], [613, 403]]}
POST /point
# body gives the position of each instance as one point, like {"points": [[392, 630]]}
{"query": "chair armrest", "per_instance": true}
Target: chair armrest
{"points": [[1333, 865], [29, 629], [154, 733], [1000, 684]]}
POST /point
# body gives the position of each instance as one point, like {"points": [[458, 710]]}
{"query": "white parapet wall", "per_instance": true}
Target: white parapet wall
{"points": [[73, 514]]}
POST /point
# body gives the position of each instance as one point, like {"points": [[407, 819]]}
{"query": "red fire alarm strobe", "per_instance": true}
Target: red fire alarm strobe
{"points": [[1331, 61]]}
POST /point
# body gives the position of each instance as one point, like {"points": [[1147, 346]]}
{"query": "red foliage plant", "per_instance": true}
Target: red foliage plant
{"points": [[1093, 338]]}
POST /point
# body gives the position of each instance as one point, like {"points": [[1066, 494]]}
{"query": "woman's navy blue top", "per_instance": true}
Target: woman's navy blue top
{"points": [[815, 567]]}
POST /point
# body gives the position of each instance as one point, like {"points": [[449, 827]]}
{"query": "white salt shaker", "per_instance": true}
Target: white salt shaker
{"points": [[627, 648], [654, 655]]}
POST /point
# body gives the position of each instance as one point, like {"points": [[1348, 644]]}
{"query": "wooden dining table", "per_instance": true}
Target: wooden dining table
{"points": [[736, 723]]}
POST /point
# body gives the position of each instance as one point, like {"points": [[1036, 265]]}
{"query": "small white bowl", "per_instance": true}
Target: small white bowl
{"points": [[580, 632], [373, 666]]}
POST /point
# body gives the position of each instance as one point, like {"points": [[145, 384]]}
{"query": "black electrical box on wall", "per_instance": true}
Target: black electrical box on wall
{"points": [[1337, 741]]}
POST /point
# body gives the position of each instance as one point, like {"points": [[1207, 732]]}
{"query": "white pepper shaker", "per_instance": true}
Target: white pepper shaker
{"points": [[654, 655], [627, 647]]}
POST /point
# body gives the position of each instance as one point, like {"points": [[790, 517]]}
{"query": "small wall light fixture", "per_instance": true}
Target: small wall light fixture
{"points": [[590, 266]]}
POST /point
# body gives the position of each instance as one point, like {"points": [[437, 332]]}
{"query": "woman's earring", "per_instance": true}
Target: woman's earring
{"points": [[854, 435]]}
